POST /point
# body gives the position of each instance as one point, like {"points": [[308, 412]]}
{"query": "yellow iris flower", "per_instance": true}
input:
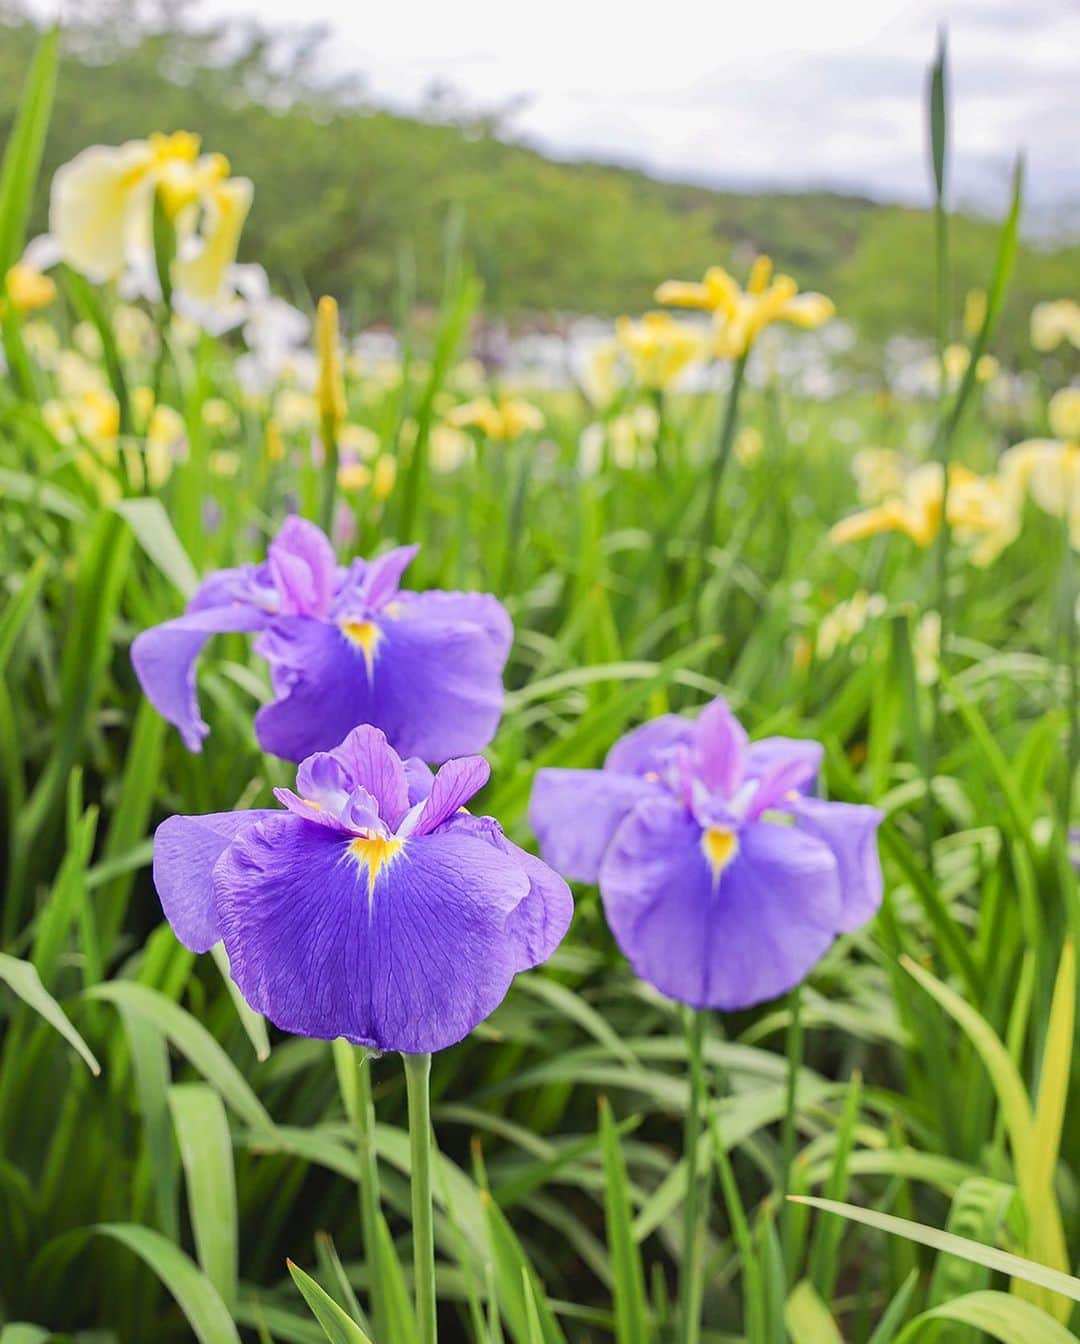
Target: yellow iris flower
{"points": [[1053, 323], [1049, 469], [658, 347], [739, 316], [101, 209], [984, 512], [501, 421]]}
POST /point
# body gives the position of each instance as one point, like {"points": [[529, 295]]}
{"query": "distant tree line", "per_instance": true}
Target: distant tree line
{"points": [[349, 196]]}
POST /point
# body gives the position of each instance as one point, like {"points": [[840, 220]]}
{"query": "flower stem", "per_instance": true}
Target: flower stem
{"points": [[787, 1136], [368, 1173], [691, 1279], [417, 1080], [723, 453]]}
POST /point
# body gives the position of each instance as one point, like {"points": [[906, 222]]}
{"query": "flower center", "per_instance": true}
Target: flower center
{"points": [[366, 636], [374, 852], [719, 844]]}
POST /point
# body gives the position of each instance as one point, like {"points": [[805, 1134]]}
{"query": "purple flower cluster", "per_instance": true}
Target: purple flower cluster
{"points": [[345, 646], [722, 879], [371, 905], [374, 906]]}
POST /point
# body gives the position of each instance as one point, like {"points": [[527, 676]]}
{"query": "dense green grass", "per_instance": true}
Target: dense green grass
{"points": [[162, 1153]]}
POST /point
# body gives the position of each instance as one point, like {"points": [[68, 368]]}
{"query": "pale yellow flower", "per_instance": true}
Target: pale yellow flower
{"points": [[41, 339], [136, 335], [102, 201], [749, 445], [295, 410], [879, 473], [224, 462], [845, 620], [957, 359], [383, 477], [927, 648], [658, 347], [449, 448], [983, 512], [359, 441], [274, 443], [86, 339], [166, 441], [354, 476], [629, 439], [1049, 469], [502, 421], [599, 378], [27, 289], [739, 316], [1055, 322], [974, 311], [217, 414]]}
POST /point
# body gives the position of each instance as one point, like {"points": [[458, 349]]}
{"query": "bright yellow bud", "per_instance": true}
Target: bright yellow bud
{"points": [[330, 386], [28, 289], [384, 477]]}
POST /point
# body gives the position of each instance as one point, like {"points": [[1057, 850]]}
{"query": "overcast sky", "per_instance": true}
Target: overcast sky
{"points": [[743, 92]]}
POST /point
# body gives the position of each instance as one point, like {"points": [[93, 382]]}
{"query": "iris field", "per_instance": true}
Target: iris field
{"points": [[813, 1081]]}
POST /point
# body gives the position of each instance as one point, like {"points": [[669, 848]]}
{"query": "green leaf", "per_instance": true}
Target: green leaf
{"points": [[338, 1327], [196, 1296], [202, 1133], [631, 1310], [193, 1041], [156, 535], [808, 1319], [22, 155], [1002, 1261], [23, 979], [1008, 1319]]}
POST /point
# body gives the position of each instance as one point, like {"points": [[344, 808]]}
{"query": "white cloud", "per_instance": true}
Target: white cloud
{"points": [[785, 92]]}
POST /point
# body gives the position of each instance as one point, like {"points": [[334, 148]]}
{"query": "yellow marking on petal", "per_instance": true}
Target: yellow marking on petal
{"points": [[374, 853], [366, 635], [719, 845]]}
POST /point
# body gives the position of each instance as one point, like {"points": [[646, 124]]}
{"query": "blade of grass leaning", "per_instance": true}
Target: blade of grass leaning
{"points": [[336, 1324], [808, 1319], [1003, 1262], [22, 978], [22, 154], [1005, 1318], [631, 1309], [202, 1134]]}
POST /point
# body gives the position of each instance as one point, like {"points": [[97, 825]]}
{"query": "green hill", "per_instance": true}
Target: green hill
{"points": [[342, 189]]}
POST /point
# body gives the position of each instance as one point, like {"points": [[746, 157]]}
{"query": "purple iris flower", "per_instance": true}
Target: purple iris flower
{"points": [[345, 647], [374, 906], [723, 881]]}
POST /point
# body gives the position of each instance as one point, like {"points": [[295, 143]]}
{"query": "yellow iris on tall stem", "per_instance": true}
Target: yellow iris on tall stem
{"points": [[658, 348], [740, 315], [102, 203]]}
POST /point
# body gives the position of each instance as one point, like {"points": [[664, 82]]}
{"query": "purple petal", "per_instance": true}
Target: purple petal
{"points": [[371, 763], [454, 785], [164, 659], [720, 743], [641, 751], [539, 923], [479, 609], [727, 940], [419, 778], [185, 851], [850, 831], [574, 814], [382, 576], [435, 690], [322, 687], [303, 567], [782, 765], [409, 961]]}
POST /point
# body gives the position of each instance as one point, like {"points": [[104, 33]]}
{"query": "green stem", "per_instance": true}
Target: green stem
{"points": [[368, 1183], [787, 1136], [1072, 751], [417, 1085], [691, 1278], [331, 462], [723, 454]]}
